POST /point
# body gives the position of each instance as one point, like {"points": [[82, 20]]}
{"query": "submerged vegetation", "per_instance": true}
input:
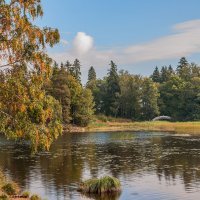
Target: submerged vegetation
{"points": [[105, 184]]}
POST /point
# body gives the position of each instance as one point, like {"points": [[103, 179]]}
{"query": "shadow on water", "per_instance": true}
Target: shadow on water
{"points": [[151, 164], [103, 196]]}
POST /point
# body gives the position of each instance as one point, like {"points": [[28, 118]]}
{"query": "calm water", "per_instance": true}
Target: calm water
{"points": [[150, 166]]}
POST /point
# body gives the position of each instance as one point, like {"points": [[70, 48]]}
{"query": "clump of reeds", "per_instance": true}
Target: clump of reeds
{"points": [[105, 184]]}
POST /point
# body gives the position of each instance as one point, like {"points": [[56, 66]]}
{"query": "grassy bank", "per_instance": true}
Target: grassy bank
{"points": [[180, 127], [102, 123]]}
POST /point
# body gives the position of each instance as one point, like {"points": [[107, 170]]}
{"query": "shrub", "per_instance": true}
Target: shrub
{"points": [[105, 184], [35, 197], [102, 118]]}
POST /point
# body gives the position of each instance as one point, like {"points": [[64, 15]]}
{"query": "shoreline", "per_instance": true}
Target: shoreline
{"points": [[176, 127]]}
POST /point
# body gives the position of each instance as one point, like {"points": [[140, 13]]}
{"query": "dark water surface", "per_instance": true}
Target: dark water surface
{"points": [[150, 166]]}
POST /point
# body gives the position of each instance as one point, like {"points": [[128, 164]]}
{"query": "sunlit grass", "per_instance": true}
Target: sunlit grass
{"points": [[180, 127], [105, 184]]}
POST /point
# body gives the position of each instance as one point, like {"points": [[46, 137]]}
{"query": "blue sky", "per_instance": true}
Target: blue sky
{"points": [[136, 34]]}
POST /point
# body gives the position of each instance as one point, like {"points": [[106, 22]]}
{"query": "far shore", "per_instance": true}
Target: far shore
{"points": [[164, 126]]}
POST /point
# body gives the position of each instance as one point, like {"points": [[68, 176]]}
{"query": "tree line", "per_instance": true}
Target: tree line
{"points": [[175, 93]]}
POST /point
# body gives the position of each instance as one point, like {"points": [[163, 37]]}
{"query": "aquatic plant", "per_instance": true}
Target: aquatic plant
{"points": [[26, 194], [105, 184], [35, 197]]}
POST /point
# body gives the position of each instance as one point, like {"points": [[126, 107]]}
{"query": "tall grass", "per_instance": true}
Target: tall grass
{"points": [[180, 127], [103, 185]]}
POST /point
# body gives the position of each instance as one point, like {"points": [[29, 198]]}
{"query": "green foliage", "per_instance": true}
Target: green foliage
{"points": [[84, 108], [183, 69], [179, 92], [105, 184], [125, 95], [77, 101], [130, 98], [156, 75], [149, 100], [91, 74], [26, 112], [74, 69], [29, 114], [112, 91], [58, 88]]}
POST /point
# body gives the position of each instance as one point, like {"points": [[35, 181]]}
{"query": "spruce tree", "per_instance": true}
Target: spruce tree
{"points": [[69, 67], [91, 74], [164, 74], [156, 75], [183, 69], [59, 90], [77, 70], [113, 91]]}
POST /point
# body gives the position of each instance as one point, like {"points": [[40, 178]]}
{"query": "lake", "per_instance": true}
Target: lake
{"points": [[150, 165]]}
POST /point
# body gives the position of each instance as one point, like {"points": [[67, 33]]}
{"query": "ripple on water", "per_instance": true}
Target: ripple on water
{"points": [[150, 166]]}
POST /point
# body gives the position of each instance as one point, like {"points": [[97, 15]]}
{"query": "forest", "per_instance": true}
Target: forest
{"points": [[169, 91], [38, 97]]}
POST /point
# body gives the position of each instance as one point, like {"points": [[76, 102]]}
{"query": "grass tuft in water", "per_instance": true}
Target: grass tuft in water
{"points": [[105, 184], [35, 197]]}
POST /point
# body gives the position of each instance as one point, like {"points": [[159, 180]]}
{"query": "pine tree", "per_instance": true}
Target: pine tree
{"points": [[77, 70], [91, 83], [164, 74], [59, 90], [156, 75], [182, 63], [170, 69], [113, 91], [183, 69], [91, 74], [69, 67]]}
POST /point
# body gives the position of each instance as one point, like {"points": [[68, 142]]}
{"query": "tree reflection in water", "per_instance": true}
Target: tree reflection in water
{"points": [[75, 157]]}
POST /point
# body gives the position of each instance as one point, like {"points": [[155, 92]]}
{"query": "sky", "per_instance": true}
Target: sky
{"points": [[136, 34]]}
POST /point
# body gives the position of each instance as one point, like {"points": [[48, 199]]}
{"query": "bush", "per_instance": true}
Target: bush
{"points": [[105, 184], [26, 194], [10, 189], [35, 197], [102, 118]]}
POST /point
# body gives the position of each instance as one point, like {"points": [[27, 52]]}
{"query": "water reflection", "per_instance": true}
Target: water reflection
{"points": [[149, 165]]}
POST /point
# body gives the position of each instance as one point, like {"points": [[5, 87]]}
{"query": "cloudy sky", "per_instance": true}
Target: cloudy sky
{"points": [[136, 34]]}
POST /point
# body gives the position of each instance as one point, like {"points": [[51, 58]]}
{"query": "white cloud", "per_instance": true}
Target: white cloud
{"points": [[183, 41], [82, 43]]}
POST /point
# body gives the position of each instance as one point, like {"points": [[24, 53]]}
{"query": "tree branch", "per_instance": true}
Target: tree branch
{"points": [[8, 64]]}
